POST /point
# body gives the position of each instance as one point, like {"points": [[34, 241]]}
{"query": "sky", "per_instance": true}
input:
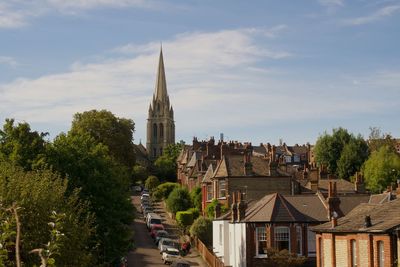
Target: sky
{"points": [[257, 71]]}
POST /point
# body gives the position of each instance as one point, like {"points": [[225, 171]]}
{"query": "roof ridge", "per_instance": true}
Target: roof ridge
{"points": [[256, 207], [283, 199]]}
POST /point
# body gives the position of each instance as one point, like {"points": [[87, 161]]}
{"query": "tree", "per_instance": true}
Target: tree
{"points": [[381, 169], [163, 190], [37, 194], [202, 229], [282, 258], [377, 139], [184, 219], [353, 155], [104, 183], [342, 153], [21, 146], [210, 210], [151, 183], [178, 200], [115, 133], [165, 165], [139, 174], [196, 197]]}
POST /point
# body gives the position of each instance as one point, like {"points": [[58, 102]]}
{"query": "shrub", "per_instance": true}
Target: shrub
{"points": [[195, 196], [202, 229], [210, 210], [195, 212], [184, 218], [152, 182], [178, 200], [163, 190], [282, 258]]}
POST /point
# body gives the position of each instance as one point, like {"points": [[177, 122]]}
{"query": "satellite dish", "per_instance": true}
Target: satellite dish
{"points": [[334, 214]]}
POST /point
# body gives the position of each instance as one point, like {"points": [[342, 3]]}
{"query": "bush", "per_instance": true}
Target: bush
{"points": [[195, 212], [195, 196], [163, 190], [282, 258], [178, 200], [210, 210], [152, 182], [184, 218], [202, 229]]}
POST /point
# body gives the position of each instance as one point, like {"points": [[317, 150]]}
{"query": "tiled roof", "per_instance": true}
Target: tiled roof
{"points": [[384, 217], [342, 185], [209, 173], [381, 198]]}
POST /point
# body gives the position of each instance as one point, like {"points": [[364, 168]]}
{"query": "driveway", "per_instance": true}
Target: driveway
{"points": [[146, 253]]}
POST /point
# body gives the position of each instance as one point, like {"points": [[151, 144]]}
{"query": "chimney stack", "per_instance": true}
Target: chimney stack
{"points": [[241, 206], [359, 186], [234, 207], [333, 202], [367, 221]]}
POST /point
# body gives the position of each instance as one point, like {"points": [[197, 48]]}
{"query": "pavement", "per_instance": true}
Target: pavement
{"points": [[146, 253]]}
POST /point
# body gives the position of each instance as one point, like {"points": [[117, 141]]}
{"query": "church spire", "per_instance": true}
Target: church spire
{"points": [[161, 84]]}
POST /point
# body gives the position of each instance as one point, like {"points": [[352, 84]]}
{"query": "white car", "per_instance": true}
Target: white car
{"points": [[165, 243], [169, 255]]}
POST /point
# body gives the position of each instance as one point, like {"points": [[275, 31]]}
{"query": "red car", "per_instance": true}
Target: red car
{"points": [[155, 228]]}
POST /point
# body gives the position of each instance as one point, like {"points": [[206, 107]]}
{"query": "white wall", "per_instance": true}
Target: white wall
{"points": [[237, 244], [221, 240]]}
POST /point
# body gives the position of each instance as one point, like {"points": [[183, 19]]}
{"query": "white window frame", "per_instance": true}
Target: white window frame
{"points": [[261, 235], [299, 239], [221, 190], [381, 253], [210, 193], [353, 250], [279, 233]]}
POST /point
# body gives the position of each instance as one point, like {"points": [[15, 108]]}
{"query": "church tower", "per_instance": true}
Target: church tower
{"points": [[160, 122]]}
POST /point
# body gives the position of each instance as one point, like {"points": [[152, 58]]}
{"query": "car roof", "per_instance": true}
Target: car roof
{"points": [[172, 249]]}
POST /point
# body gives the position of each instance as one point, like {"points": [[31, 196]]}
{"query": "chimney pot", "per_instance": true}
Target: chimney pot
{"points": [[367, 221]]}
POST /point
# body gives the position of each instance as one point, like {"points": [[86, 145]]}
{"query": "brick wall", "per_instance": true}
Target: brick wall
{"points": [[341, 252], [363, 252], [327, 252]]}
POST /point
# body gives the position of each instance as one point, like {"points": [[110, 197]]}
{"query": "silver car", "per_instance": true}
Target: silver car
{"points": [[169, 255]]}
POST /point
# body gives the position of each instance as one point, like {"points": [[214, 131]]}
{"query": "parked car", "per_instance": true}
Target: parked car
{"points": [[137, 188], [146, 210], [154, 228], [180, 263], [165, 243], [160, 234], [144, 196], [169, 255], [152, 218]]}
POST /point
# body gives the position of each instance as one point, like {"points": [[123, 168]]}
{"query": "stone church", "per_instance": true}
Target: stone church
{"points": [[160, 121]]}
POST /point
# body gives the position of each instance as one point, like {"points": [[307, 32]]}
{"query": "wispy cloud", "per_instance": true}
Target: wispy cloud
{"points": [[9, 61], [379, 14], [331, 3]]}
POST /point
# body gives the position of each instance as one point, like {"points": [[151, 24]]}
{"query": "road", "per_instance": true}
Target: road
{"points": [[146, 253]]}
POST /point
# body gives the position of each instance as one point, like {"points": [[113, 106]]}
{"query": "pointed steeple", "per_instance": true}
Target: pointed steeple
{"points": [[161, 84]]}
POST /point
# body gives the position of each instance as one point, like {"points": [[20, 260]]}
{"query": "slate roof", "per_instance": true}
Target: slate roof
{"points": [[343, 186], [208, 175], [381, 198], [384, 218]]}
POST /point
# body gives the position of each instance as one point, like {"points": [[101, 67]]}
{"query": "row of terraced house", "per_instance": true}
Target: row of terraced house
{"points": [[278, 198]]}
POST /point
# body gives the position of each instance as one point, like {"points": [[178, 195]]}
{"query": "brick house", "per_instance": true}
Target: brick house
{"points": [[368, 236]]}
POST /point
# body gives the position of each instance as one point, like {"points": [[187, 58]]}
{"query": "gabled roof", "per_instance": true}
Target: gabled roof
{"points": [[222, 169], [278, 208], [209, 173], [384, 217]]}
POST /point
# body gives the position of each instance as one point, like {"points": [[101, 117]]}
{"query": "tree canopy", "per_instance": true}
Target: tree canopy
{"points": [[381, 169], [165, 165], [178, 200], [342, 153], [115, 133]]}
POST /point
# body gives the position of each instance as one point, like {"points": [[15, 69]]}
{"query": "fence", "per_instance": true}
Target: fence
{"points": [[208, 256]]}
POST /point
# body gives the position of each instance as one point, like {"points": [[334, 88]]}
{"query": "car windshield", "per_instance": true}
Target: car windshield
{"points": [[175, 253], [168, 243], [162, 234], [155, 221]]}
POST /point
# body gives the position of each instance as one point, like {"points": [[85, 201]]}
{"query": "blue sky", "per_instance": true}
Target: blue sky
{"points": [[257, 71]]}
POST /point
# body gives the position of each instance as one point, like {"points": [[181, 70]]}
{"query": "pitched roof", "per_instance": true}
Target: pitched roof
{"points": [[209, 173], [278, 208], [384, 217], [161, 85], [381, 198], [343, 186]]}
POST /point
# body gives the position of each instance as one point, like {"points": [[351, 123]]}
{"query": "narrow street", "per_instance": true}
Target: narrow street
{"points": [[146, 253]]}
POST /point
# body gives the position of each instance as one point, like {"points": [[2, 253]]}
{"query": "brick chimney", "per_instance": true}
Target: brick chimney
{"points": [[333, 202], [359, 186], [314, 178], [241, 207], [234, 207], [248, 166]]}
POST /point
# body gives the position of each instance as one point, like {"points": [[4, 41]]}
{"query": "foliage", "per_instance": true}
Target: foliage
{"points": [[151, 183], [184, 218], [196, 197], [178, 200], [7, 234], [139, 173], [115, 133], [202, 229], [353, 155], [329, 149], [210, 209], [102, 181], [381, 169], [37, 193], [377, 139], [21, 146], [163, 190], [282, 258], [165, 165], [195, 212]]}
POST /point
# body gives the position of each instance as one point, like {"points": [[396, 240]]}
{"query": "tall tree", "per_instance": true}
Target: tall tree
{"points": [[104, 183], [342, 153], [381, 169], [377, 139], [165, 165], [22, 146], [115, 133]]}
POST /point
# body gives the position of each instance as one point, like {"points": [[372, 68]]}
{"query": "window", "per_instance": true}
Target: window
{"points": [[161, 130], [154, 152], [381, 254], [288, 159], [311, 243], [353, 246], [296, 158], [155, 131], [209, 192], [261, 245], [321, 252], [282, 238], [222, 188], [299, 240]]}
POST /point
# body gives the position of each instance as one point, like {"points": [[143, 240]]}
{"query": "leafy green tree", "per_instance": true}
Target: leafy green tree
{"points": [[163, 190], [139, 174], [38, 193], [115, 133], [178, 200], [353, 155], [165, 166], [195, 212], [151, 183], [196, 197], [184, 219], [282, 258], [202, 229], [22, 146], [377, 139], [104, 183], [210, 209], [381, 169]]}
